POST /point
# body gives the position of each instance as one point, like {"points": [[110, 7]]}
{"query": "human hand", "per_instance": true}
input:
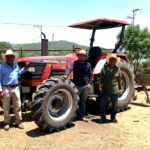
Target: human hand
{"points": [[100, 89], [65, 76], [120, 92], [27, 64], [88, 86], [1, 94]]}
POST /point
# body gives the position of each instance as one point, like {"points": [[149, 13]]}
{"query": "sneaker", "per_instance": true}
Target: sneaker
{"points": [[20, 126], [6, 127], [82, 119], [114, 120]]}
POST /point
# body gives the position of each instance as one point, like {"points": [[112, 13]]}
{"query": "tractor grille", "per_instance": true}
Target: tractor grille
{"points": [[57, 72], [35, 72]]}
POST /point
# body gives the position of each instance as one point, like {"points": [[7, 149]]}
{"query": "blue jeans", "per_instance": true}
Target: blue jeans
{"points": [[83, 94], [104, 101]]}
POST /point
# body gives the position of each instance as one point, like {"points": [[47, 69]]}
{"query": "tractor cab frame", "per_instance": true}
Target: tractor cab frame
{"points": [[102, 23]]}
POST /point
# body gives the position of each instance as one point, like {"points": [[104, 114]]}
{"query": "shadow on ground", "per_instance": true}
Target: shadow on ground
{"points": [[27, 116], [1, 125], [37, 132], [98, 121], [140, 104], [92, 108]]}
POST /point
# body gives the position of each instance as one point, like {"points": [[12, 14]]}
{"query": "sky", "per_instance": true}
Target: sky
{"points": [[58, 14]]}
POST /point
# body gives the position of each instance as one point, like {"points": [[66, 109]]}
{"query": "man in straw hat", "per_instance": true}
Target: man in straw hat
{"points": [[82, 78], [9, 89], [110, 86]]}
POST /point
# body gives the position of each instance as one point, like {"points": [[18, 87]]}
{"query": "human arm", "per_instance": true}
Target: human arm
{"points": [[120, 86], [120, 82], [68, 70], [1, 91], [101, 76], [24, 69], [89, 74]]}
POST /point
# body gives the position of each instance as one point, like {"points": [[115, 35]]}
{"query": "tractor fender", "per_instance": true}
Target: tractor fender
{"points": [[99, 66]]}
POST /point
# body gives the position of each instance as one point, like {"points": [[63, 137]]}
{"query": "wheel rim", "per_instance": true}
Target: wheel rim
{"points": [[60, 105], [126, 86]]}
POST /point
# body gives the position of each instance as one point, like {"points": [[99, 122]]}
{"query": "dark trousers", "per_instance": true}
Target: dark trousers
{"points": [[104, 101], [83, 94]]}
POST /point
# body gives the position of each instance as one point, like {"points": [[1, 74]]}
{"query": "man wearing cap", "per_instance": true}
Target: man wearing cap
{"points": [[9, 89], [110, 85], [82, 78]]}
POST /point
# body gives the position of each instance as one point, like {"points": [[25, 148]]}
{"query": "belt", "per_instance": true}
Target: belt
{"points": [[11, 86]]}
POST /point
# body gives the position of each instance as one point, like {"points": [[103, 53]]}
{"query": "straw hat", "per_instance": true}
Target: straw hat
{"points": [[82, 52], [113, 56], [9, 52]]}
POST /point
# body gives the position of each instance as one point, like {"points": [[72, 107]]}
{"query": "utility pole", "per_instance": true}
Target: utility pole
{"points": [[52, 37], [134, 13]]}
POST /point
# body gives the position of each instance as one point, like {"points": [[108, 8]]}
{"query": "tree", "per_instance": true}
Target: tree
{"points": [[145, 66], [137, 44], [5, 45]]}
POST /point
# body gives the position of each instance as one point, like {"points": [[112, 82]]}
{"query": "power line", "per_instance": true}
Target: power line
{"points": [[25, 24], [37, 37], [34, 25], [21, 35], [39, 26]]}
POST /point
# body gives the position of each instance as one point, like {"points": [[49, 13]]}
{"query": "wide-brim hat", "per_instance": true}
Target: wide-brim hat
{"points": [[112, 56], [9, 52], [82, 52]]}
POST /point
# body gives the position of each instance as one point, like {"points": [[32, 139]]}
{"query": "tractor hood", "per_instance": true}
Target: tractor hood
{"points": [[50, 59], [101, 23]]}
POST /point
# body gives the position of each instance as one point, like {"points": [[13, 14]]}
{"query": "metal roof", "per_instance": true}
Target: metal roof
{"points": [[100, 23]]}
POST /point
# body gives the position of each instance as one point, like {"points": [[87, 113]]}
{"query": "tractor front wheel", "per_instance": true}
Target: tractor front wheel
{"points": [[55, 104]]}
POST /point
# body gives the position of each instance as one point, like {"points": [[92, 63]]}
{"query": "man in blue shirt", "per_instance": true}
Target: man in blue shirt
{"points": [[9, 89]]}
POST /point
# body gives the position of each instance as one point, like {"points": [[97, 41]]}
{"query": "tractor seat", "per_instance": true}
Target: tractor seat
{"points": [[93, 55]]}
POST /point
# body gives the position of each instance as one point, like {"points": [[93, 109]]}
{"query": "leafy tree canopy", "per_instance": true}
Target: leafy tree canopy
{"points": [[5, 45], [137, 44]]}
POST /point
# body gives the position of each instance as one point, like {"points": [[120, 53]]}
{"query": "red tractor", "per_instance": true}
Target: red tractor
{"points": [[55, 99]]}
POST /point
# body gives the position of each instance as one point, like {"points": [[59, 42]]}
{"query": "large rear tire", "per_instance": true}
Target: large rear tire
{"points": [[55, 104], [128, 85]]}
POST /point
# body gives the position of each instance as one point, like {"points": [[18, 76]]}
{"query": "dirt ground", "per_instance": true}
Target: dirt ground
{"points": [[131, 132]]}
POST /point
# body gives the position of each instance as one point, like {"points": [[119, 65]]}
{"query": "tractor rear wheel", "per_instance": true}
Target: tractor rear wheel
{"points": [[55, 104], [128, 85]]}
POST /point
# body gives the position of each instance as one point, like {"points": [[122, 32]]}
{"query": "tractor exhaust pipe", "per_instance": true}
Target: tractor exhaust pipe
{"points": [[44, 45]]}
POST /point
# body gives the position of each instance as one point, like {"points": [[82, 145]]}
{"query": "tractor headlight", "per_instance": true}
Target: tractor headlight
{"points": [[31, 69]]}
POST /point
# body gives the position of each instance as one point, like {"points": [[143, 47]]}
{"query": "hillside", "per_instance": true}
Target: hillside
{"points": [[57, 45], [60, 45]]}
